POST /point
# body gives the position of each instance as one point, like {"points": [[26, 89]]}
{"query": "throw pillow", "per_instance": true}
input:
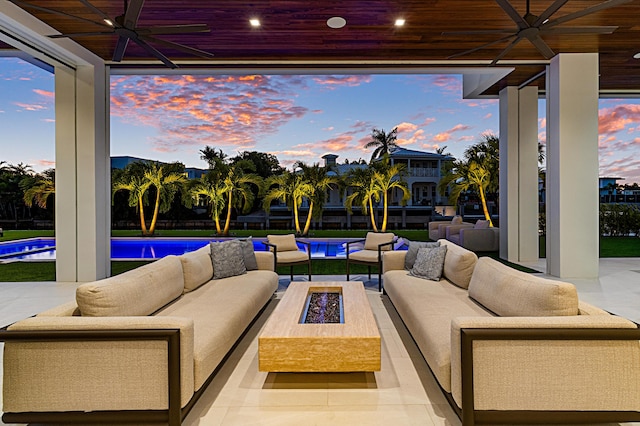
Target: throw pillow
{"points": [[227, 260], [412, 252], [429, 263], [457, 220], [248, 254]]}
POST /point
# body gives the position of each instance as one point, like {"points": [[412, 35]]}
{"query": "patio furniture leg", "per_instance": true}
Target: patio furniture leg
{"points": [[369, 267], [291, 271], [309, 268]]}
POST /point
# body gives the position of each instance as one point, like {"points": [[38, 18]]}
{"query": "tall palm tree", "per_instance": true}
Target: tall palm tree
{"points": [[387, 178], [237, 189], [214, 192], [486, 153], [320, 181], [213, 157], [383, 142], [167, 184], [137, 188], [365, 192], [39, 189], [466, 175], [288, 187]]}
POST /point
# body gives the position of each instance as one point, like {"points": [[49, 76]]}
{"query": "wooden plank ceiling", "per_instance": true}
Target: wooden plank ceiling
{"points": [[297, 31]]}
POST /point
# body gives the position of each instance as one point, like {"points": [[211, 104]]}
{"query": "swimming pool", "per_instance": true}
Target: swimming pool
{"points": [[156, 248]]}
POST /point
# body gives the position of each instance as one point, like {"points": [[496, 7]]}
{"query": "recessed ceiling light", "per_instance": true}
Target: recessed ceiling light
{"points": [[636, 56], [254, 22], [108, 22], [400, 22], [336, 22]]}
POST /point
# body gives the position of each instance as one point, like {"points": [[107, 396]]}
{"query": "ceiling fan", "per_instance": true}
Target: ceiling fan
{"points": [[125, 26], [531, 27]]}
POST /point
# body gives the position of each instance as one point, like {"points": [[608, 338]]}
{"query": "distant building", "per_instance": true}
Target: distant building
{"points": [[120, 162]]}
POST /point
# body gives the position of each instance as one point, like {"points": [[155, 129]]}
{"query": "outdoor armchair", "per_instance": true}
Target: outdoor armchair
{"points": [[371, 255], [287, 253], [438, 229]]}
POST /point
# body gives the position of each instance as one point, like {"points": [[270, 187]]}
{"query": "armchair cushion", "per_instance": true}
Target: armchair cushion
{"points": [[283, 242], [429, 263], [370, 256], [481, 224], [291, 256], [457, 220], [412, 252], [374, 239]]}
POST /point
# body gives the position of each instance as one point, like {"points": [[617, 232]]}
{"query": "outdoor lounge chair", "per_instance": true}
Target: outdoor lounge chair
{"points": [[287, 253], [371, 255]]}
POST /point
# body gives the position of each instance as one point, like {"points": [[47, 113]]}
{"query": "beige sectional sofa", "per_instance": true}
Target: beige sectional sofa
{"points": [[140, 346], [510, 347]]}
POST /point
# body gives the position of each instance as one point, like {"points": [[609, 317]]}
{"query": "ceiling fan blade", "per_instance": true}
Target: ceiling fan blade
{"points": [[475, 49], [513, 14], [57, 12], [121, 46], [446, 33], [132, 14], [542, 47], [155, 52], [96, 10], [598, 7], [506, 50], [179, 47], [175, 29], [580, 30], [550, 11], [72, 35]]}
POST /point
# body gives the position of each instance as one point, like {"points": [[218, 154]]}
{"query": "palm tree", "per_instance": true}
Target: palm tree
{"points": [[487, 153], [167, 184], [288, 187], [387, 177], [365, 192], [39, 189], [137, 188], [320, 181], [213, 157], [237, 189], [214, 192], [466, 175], [383, 142]]}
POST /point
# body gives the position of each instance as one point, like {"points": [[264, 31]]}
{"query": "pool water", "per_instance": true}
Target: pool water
{"points": [[156, 248]]}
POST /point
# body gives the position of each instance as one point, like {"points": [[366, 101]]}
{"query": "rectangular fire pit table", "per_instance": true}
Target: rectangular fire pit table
{"points": [[287, 344]]}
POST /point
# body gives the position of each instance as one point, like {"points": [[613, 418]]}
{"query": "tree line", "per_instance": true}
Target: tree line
{"points": [[253, 180]]}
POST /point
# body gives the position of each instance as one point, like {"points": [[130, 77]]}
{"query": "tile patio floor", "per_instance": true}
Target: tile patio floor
{"points": [[403, 393]]}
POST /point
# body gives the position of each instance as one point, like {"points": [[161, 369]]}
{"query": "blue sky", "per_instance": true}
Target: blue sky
{"points": [[170, 118]]}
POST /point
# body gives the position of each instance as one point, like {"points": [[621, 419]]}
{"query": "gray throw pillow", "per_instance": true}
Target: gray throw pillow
{"points": [[412, 252], [429, 263], [227, 259], [248, 254]]}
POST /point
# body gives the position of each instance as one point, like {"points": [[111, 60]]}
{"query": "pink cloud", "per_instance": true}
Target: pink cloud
{"points": [[47, 164], [488, 116], [332, 82], [30, 107], [44, 93], [614, 119], [447, 134]]}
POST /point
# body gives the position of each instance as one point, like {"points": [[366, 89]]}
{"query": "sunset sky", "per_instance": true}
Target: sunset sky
{"points": [[171, 118]]}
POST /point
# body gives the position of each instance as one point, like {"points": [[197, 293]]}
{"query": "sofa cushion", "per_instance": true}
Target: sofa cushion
{"points": [[141, 291], [374, 239], [429, 263], [227, 259], [509, 292], [458, 264], [197, 268], [283, 242], [412, 251], [457, 220]]}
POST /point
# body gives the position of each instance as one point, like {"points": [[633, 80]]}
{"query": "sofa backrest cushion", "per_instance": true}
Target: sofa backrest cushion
{"points": [[458, 264], [508, 292], [197, 268], [138, 292], [374, 239], [283, 242]]}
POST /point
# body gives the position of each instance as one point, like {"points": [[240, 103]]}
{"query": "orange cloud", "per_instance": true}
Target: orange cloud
{"points": [[615, 119], [44, 93], [447, 134]]}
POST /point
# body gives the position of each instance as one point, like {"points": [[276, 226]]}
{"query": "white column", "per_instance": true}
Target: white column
{"points": [[572, 166], [519, 174], [83, 190]]}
